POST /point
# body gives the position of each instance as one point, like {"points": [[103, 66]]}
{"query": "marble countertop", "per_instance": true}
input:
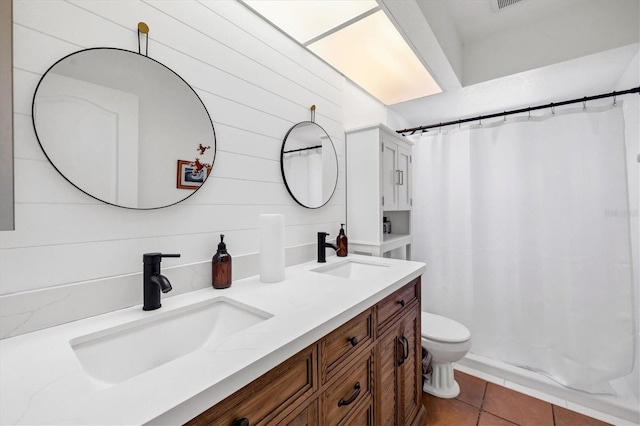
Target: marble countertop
{"points": [[43, 382]]}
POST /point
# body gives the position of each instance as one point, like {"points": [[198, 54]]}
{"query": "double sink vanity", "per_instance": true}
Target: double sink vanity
{"points": [[329, 344]]}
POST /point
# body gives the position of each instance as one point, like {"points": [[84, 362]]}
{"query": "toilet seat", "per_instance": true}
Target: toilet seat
{"points": [[442, 329]]}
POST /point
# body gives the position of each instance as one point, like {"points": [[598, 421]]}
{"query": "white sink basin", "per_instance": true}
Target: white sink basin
{"points": [[352, 269], [116, 354]]}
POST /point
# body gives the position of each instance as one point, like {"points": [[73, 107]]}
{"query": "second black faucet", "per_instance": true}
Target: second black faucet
{"points": [[153, 281], [322, 245]]}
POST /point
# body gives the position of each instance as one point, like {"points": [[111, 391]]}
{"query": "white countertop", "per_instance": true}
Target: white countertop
{"points": [[42, 381]]}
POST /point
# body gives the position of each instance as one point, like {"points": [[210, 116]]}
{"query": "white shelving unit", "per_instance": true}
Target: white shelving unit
{"points": [[379, 169]]}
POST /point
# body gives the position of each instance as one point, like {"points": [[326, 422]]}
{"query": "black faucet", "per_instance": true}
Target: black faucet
{"points": [[153, 281], [323, 244]]}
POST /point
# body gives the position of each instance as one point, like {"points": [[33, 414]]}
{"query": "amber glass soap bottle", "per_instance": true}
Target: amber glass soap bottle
{"points": [[342, 243], [221, 266]]}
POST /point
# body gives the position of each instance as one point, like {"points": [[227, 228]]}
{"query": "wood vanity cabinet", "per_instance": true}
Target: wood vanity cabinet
{"points": [[365, 372], [399, 376]]}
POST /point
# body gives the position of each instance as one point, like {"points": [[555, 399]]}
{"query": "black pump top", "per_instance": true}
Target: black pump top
{"points": [[222, 247], [341, 229]]}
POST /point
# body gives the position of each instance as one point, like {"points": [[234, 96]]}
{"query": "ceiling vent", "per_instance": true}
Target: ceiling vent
{"points": [[498, 5]]}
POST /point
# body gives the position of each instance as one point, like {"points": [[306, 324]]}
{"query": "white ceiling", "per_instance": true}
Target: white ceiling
{"points": [[480, 44], [475, 19], [468, 47]]}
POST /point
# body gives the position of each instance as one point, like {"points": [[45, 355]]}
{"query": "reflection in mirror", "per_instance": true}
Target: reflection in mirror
{"points": [[309, 164], [116, 124]]}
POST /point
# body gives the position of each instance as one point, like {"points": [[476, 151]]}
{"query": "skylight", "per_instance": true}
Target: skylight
{"points": [[357, 38]]}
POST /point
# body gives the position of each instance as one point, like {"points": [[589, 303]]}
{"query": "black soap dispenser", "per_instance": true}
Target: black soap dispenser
{"points": [[342, 243], [221, 267]]}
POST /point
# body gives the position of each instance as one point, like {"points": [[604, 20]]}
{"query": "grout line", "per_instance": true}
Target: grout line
{"points": [[501, 418], [484, 394]]}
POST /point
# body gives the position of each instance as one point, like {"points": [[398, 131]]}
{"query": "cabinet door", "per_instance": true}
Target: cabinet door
{"points": [[390, 175], [387, 379], [399, 374], [404, 176], [410, 370]]}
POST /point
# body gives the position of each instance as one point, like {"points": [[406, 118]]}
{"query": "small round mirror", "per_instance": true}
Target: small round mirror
{"points": [[123, 128], [309, 164]]}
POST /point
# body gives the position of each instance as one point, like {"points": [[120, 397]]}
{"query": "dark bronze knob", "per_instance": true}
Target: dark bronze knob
{"points": [[353, 340], [401, 303], [243, 421]]}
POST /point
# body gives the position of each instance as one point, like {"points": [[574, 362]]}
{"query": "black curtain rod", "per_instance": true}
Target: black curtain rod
{"points": [[303, 149], [518, 111]]}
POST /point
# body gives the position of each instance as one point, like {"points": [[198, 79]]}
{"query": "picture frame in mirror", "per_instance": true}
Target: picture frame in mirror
{"points": [[190, 176]]}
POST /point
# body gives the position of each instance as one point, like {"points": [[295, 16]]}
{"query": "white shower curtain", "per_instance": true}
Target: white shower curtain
{"points": [[517, 224]]}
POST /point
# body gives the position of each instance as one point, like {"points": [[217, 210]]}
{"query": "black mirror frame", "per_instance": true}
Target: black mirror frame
{"points": [[215, 145], [284, 178]]}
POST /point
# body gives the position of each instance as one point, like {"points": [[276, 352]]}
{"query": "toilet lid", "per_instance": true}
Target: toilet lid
{"points": [[442, 329]]}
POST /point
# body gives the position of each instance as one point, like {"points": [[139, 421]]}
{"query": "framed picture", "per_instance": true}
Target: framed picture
{"points": [[187, 179]]}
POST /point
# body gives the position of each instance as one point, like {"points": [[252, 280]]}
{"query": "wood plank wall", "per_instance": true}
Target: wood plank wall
{"points": [[255, 82]]}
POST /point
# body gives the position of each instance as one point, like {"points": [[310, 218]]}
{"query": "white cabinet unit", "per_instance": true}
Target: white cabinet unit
{"points": [[378, 185], [396, 173]]}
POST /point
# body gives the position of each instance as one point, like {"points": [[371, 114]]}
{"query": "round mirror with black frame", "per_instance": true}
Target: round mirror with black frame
{"points": [[309, 164], [124, 128]]}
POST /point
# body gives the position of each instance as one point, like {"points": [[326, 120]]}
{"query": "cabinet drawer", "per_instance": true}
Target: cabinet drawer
{"points": [[337, 346], [398, 303], [363, 417], [346, 394], [268, 396], [308, 416]]}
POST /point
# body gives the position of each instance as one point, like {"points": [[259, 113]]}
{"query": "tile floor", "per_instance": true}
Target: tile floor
{"points": [[481, 403]]}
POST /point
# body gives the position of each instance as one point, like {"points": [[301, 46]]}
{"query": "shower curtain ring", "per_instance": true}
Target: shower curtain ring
{"points": [[479, 121], [553, 109], [529, 114], [584, 104], [504, 117], [614, 99]]}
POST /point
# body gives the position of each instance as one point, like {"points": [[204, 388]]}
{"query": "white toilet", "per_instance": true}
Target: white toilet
{"points": [[448, 341]]}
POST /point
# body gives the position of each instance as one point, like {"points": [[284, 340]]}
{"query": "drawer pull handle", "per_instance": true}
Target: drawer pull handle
{"points": [[353, 340], [401, 303], [243, 421], [405, 341], [405, 349], [402, 348], [352, 398]]}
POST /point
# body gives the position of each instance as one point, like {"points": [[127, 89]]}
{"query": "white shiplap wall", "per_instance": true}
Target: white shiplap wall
{"points": [[255, 82]]}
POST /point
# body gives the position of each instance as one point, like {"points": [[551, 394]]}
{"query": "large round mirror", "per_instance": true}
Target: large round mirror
{"points": [[309, 164], [123, 128]]}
